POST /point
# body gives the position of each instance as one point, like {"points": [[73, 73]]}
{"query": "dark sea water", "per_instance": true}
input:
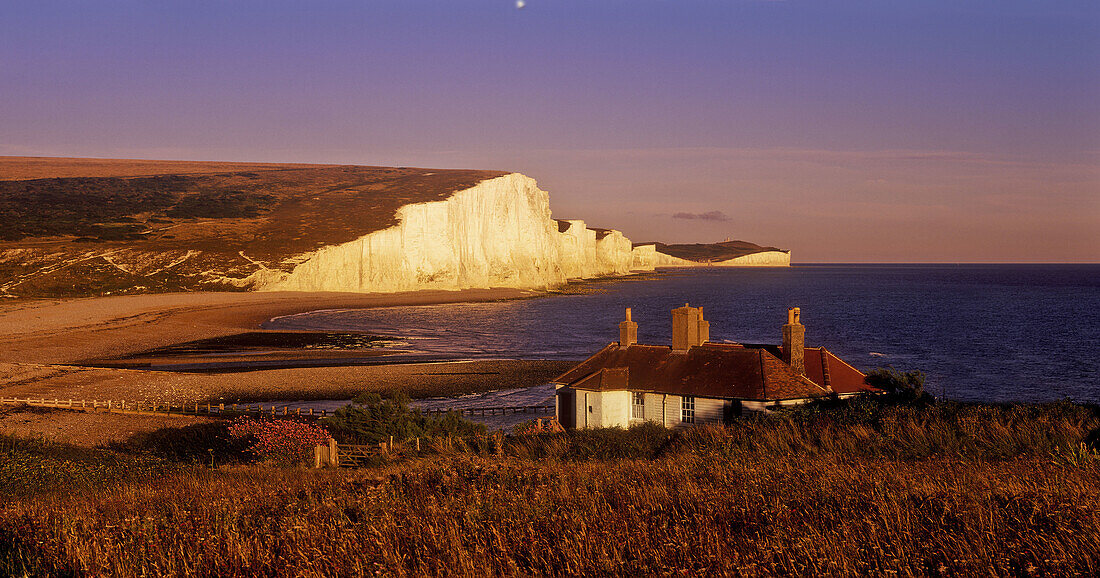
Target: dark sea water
{"points": [[980, 332]]}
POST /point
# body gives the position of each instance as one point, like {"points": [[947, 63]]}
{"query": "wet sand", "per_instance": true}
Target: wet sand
{"points": [[42, 344], [69, 331]]}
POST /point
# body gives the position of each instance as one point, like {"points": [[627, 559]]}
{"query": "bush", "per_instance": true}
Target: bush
{"points": [[283, 441], [906, 387], [203, 443], [370, 419]]}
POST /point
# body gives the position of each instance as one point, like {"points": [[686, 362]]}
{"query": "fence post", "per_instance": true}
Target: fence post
{"points": [[317, 456], [286, 410], [417, 445], [333, 457], [389, 448]]}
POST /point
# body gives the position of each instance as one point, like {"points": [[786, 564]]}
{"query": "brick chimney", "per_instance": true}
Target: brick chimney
{"points": [[686, 323], [794, 341], [628, 331]]}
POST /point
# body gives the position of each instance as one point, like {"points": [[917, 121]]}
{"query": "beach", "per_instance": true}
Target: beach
{"points": [[43, 344]]}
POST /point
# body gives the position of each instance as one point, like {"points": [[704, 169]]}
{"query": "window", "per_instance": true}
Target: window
{"points": [[637, 407], [687, 409]]}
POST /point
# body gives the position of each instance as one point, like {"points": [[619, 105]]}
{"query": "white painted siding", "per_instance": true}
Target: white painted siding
{"points": [[654, 408], [709, 410], [753, 406], [603, 408], [672, 411], [582, 416], [614, 408]]}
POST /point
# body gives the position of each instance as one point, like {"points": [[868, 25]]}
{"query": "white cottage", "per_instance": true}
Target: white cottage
{"points": [[697, 382]]}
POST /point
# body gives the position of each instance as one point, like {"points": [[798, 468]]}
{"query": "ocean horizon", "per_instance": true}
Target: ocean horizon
{"points": [[980, 332]]}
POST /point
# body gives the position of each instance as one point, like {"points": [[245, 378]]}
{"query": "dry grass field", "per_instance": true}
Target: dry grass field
{"points": [[943, 491]]}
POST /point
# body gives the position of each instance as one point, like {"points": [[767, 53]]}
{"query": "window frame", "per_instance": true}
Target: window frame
{"points": [[637, 410], [687, 409]]}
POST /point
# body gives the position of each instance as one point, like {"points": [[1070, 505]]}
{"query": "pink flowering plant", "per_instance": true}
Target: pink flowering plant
{"points": [[283, 441]]}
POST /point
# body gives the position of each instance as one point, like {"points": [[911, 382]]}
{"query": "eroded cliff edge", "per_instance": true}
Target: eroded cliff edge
{"points": [[121, 227], [498, 233]]}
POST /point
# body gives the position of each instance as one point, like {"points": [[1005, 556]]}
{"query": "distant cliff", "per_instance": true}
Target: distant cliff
{"points": [[117, 227], [724, 254]]}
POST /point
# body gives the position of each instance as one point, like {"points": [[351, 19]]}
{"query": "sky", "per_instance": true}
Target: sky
{"points": [[845, 131]]}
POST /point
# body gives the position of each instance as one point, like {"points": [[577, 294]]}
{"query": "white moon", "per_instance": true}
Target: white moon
{"points": [[520, 3]]}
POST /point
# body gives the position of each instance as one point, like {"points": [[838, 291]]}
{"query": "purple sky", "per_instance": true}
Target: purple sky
{"points": [[884, 130]]}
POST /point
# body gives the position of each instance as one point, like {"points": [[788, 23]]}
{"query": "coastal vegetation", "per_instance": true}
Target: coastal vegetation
{"points": [[840, 487], [372, 419]]}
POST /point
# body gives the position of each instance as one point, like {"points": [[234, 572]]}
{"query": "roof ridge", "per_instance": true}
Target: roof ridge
{"points": [[558, 379], [830, 354], [826, 380]]}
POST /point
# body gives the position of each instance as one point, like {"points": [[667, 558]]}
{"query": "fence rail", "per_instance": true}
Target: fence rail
{"points": [[151, 407], [233, 410], [483, 411]]}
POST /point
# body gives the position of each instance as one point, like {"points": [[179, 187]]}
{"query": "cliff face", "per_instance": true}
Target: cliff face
{"points": [[82, 227], [498, 233]]}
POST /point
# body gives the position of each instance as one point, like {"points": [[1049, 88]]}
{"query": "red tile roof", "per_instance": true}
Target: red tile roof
{"points": [[708, 370], [725, 370], [829, 370]]}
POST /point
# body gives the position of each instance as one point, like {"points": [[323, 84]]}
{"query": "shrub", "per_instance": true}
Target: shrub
{"points": [[202, 443], [906, 387], [282, 441], [371, 419]]}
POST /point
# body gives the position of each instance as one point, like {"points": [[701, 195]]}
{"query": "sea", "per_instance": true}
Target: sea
{"points": [[993, 333]]}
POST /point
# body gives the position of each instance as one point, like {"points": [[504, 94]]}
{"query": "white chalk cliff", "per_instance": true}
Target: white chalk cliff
{"points": [[498, 233]]}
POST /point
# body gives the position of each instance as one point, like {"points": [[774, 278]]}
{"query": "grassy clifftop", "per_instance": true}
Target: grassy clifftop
{"points": [[90, 226]]}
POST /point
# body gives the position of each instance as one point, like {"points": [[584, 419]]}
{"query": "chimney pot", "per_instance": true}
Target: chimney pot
{"points": [[794, 341], [628, 331]]}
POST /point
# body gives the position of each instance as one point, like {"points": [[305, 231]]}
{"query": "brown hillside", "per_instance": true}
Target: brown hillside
{"points": [[24, 168], [97, 226]]}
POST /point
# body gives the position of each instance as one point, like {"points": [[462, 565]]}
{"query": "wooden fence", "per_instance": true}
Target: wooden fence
{"points": [[483, 411], [160, 408], [234, 410], [355, 455]]}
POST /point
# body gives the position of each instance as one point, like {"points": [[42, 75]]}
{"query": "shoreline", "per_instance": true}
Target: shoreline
{"points": [[43, 343], [69, 331]]}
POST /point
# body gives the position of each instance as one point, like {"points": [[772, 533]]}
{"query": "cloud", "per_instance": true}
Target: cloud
{"points": [[707, 216]]}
